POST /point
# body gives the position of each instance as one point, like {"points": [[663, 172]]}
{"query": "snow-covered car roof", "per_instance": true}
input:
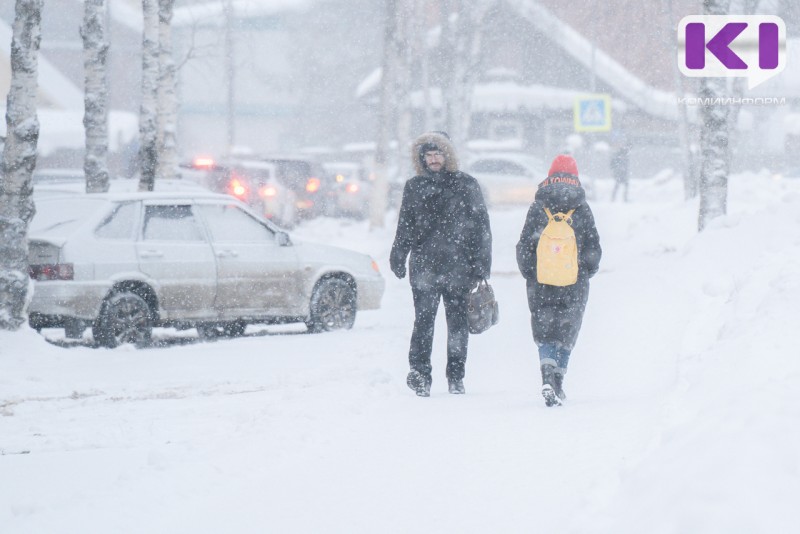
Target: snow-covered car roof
{"points": [[118, 187]]}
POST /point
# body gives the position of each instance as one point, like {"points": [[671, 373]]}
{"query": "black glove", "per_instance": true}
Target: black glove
{"points": [[398, 266]]}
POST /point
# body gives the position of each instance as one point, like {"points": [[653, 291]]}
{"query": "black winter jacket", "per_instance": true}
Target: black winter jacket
{"points": [[444, 225], [557, 312]]}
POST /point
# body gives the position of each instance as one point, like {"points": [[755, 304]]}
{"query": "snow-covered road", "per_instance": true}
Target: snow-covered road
{"points": [[281, 431]]}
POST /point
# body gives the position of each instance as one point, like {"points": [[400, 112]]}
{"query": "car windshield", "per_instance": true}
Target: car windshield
{"points": [[62, 214]]}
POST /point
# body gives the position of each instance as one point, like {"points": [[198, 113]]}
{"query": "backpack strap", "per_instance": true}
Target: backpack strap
{"points": [[561, 216]]}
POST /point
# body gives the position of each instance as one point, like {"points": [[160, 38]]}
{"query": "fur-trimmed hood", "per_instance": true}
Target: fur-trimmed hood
{"points": [[443, 143]]}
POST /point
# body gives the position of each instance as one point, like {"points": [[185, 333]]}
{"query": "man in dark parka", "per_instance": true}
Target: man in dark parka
{"points": [[557, 312], [444, 226]]}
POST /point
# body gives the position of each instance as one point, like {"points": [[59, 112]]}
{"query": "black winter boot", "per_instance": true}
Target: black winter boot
{"points": [[548, 386], [420, 383], [558, 385], [455, 386]]}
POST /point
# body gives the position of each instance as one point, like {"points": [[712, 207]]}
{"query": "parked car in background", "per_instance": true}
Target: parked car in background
{"points": [[253, 182], [507, 178], [790, 173], [122, 264], [348, 189], [282, 189], [305, 178]]}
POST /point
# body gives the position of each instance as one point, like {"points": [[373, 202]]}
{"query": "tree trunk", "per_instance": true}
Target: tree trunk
{"points": [[19, 159], [380, 188], [167, 95], [148, 120], [95, 99], [714, 137]]}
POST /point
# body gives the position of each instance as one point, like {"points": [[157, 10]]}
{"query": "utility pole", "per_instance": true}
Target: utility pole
{"points": [[230, 76], [380, 188]]}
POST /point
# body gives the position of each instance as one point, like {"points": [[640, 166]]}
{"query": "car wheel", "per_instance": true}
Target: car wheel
{"points": [[333, 306], [124, 317]]}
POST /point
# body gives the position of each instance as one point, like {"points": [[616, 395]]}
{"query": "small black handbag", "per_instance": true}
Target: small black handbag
{"points": [[482, 309]]}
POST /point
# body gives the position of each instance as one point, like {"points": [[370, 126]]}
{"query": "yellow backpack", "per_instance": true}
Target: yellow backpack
{"points": [[557, 251]]}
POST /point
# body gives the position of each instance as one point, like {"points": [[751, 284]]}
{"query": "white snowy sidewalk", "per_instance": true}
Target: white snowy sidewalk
{"points": [[682, 412]]}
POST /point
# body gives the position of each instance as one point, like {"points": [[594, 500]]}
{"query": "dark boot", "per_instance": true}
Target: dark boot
{"points": [[548, 386], [558, 385], [420, 383], [455, 386]]}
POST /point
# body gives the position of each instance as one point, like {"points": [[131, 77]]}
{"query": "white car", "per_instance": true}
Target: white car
{"points": [[124, 263], [507, 178], [512, 178], [348, 189]]}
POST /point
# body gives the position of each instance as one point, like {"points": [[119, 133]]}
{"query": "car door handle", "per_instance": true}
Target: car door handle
{"points": [[151, 254], [227, 254]]}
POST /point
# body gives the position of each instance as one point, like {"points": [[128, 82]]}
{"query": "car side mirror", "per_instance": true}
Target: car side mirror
{"points": [[283, 239]]}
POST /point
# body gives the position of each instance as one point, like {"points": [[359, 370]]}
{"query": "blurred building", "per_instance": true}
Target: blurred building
{"points": [[537, 57]]}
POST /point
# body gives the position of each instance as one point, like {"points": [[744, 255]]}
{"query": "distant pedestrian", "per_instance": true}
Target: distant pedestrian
{"points": [[444, 226], [620, 163], [559, 223]]}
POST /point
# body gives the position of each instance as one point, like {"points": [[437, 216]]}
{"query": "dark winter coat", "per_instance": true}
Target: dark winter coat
{"points": [[619, 164], [443, 225], [557, 312]]}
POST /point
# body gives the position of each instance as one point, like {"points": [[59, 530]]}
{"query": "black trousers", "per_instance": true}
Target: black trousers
{"points": [[426, 304]]}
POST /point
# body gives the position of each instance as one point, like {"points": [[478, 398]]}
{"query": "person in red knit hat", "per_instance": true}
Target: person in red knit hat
{"points": [[557, 310]]}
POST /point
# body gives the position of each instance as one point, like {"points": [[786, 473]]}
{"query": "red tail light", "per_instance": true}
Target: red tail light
{"points": [[313, 185], [351, 188], [49, 271], [203, 162]]}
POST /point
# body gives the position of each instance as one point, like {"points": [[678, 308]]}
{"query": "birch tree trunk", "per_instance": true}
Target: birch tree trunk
{"points": [[714, 139], [19, 160], [95, 99], [148, 119], [167, 96]]}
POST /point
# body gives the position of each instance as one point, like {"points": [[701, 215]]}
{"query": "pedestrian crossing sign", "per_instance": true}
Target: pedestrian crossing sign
{"points": [[592, 113]]}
